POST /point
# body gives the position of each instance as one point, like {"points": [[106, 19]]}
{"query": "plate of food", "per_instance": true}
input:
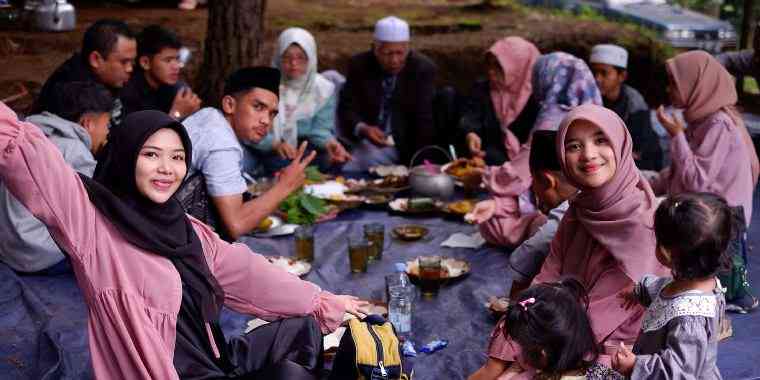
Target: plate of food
{"points": [[387, 170], [389, 184], [326, 190], [460, 208], [463, 167], [410, 232], [347, 201], [451, 268], [377, 200], [415, 205], [291, 265]]}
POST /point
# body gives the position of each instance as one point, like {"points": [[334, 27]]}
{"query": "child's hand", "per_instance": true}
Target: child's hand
{"points": [[623, 360], [628, 297]]}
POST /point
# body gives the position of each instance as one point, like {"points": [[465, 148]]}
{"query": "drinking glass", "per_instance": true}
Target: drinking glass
{"points": [[358, 249], [375, 234]]}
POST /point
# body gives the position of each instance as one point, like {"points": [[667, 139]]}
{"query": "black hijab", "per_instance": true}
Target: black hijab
{"points": [[162, 229]]}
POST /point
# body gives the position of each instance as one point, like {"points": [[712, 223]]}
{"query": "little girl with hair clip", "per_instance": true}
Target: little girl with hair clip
{"points": [[679, 334], [550, 324]]}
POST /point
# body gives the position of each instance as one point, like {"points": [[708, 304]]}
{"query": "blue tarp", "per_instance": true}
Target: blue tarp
{"points": [[43, 319]]}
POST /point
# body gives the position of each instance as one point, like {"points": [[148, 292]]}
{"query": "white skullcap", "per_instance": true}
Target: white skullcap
{"points": [[609, 54], [391, 29]]}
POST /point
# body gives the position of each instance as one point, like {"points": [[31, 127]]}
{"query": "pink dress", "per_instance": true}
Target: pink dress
{"points": [[133, 297]]}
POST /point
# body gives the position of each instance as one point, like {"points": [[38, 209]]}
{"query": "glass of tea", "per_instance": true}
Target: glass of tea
{"points": [[375, 234], [304, 238], [430, 275], [358, 250]]}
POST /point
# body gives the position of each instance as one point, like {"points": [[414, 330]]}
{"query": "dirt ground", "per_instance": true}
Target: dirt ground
{"points": [[455, 33]]}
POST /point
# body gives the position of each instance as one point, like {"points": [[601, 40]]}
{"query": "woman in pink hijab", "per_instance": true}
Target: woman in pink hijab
{"points": [[715, 154], [606, 239], [560, 82], [501, 107]]}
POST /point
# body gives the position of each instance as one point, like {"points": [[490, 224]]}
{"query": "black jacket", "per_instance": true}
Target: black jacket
{"points": [[479, 117], [137, 95], [411, 103]]}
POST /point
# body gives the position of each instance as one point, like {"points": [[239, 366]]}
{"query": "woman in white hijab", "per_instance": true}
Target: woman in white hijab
{"points": [[307, 102]]}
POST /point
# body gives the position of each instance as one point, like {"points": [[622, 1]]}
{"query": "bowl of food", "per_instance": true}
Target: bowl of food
{"points": [[464, 167], [410, 232], [451, 268]]}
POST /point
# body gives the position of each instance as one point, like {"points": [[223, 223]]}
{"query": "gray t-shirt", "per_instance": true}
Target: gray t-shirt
{"points": [[216, 152]]}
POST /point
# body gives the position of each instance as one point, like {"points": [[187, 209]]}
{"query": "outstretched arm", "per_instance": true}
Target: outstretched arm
{"points": [[35, 172]]}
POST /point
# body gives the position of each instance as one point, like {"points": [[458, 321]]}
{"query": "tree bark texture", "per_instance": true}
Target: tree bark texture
{"points": [[233, 40]]}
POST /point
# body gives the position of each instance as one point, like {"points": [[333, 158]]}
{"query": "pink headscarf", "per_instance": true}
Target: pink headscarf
{"points": [[619, 215], [516, 57], [705, 87]]}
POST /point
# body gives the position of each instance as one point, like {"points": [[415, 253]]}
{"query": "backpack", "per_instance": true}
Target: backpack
{"points": [[369, 350]]}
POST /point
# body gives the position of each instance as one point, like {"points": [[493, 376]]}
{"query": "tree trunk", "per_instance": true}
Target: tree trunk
{"points": [[233, 40]]}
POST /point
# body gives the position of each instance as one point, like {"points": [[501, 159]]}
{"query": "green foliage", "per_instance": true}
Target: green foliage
{"points": [[302, 208], [586, 12], [313, 174]]}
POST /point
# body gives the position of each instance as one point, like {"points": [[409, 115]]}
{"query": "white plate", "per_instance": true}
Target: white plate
{"points": [[326, 190], [291, 265]]}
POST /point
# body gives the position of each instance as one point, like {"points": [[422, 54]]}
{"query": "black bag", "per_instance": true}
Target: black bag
{"points": [[369, 350]]}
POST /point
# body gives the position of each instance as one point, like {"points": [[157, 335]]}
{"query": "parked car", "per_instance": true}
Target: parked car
{"points": [[682, 28]]}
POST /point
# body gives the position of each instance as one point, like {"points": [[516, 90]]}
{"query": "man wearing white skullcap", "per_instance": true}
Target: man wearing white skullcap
{"points": [[386, 104], [609, 64]]}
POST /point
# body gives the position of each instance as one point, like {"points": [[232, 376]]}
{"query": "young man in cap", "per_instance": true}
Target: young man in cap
{"points": [[77, 123], [155, 84], [108, 53], [248, 107], [609, 64], [386, 104]]}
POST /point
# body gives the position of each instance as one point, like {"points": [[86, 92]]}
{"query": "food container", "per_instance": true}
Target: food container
{"points": [[428, 180]]}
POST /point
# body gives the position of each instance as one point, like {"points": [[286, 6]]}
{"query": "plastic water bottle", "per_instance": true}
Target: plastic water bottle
{"points": [[400, 311]]}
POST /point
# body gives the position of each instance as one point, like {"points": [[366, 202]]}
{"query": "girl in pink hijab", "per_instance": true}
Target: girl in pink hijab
{"points": [[605, 240], [714, 155]]}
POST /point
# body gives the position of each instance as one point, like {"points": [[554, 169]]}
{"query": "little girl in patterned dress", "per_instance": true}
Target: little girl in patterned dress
{"points": [[679, 334]]}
